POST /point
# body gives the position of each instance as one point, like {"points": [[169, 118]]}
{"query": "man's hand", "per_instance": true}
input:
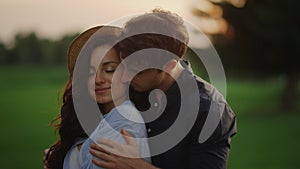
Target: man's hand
{"points": [[115, 155]]}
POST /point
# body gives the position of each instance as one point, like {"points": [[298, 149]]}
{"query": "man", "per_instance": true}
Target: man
{"points": [[153, 46]]}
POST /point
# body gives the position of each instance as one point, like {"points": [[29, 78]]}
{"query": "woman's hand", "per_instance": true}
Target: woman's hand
{"points": [[44, 158]]}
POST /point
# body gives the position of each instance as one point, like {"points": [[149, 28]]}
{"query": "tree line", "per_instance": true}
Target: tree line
{"points": [[263, 39], [31, 49]]}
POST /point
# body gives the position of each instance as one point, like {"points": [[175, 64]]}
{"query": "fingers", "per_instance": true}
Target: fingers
{"points": [[130, 149], [44, 158], [46, 151], [101, 155], [104, 160], [105, 149], [125, 133], [104, 164], [128, 137], [96, 147], [108, 144]]}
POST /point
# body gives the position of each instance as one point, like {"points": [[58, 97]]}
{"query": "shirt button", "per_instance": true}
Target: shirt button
{"points": [[149, 130], [155, 104]]}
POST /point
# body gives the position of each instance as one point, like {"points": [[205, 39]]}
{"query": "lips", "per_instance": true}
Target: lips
{"points": [[102, 90]]}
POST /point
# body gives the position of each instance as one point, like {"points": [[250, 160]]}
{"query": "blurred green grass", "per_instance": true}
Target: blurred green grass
{"points": [[267, 137], [28, 104]]}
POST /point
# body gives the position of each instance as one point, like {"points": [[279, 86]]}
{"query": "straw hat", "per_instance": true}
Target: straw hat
{"points": [[77, 44]]}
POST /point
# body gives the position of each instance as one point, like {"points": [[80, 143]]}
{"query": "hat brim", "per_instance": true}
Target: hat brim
{"points": [[77, 44]]}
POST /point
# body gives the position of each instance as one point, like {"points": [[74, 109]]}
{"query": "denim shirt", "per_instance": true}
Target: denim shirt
{"points": [[73, 158], [123, 116]]}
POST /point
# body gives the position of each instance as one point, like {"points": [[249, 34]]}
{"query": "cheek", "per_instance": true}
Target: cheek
{"points": [[117, 77], [91, 80], [118, 87], [91, 83]]}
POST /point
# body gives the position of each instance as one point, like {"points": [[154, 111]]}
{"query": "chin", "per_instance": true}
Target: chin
{"points": [[102, 101]]}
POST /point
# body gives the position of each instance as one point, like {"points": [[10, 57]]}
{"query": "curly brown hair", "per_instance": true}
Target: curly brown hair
{"points": [[158, 29], [67, 123]]}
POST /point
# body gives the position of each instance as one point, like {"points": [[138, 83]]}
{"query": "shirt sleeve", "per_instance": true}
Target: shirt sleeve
{"points": [[110, 128], [213, 153], [72, 159]]}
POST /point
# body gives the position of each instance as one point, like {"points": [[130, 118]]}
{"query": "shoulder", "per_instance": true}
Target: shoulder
{"points": [[123, 116], [126, 111], [215, 117], [211, 97], [127, 108], [208, 93]]}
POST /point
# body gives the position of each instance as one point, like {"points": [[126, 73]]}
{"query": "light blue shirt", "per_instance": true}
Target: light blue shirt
{"points": [[73, 158], [123, 116]]}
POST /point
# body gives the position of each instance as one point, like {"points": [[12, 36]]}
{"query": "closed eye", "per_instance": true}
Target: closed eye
{"points": [[110, 71]]}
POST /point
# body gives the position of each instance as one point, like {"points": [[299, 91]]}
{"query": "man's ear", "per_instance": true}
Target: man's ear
{"points": [[122, 55], [170, 66]]}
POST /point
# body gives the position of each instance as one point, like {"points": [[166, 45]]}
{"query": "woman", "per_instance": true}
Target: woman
{"points": [[72, 149]]}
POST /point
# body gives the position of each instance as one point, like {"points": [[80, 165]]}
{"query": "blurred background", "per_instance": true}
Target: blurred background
{"points": [[258, 42]]}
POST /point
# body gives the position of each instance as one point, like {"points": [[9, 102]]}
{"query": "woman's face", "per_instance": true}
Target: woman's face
{"points": [[100, 80]]}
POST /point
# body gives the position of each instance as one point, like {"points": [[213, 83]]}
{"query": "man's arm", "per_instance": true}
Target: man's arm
{"points": [[211, 156], [115, 155], [213, 153]]}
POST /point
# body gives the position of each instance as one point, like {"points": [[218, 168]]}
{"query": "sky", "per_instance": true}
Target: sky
{"points": [[54, 18]]}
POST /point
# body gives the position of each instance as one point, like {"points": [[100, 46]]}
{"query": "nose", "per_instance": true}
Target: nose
{"points": [[99, 78]]}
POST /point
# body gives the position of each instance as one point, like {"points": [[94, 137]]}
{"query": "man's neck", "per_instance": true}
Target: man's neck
{"points": [[170, 78]]}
